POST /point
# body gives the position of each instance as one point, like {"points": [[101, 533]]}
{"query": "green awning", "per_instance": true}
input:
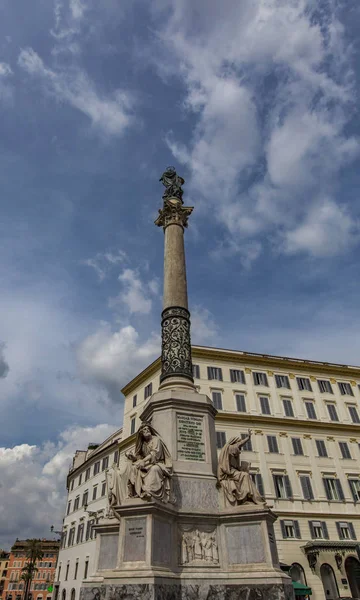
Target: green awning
{"points": [[301, 589]]}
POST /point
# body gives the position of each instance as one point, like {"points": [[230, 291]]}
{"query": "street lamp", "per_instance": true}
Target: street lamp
{"points": [[53, 530]]}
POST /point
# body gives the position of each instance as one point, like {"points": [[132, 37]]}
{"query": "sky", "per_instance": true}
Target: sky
{"points": [[256, 106]]}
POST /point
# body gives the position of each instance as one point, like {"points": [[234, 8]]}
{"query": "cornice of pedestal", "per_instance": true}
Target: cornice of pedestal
{"points": [[173, 213]]}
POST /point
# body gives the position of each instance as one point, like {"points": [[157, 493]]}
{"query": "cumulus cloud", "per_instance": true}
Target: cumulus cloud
{"points": [[203, 326], [4, 367], [103, 262], [34, 478], [113, 357], [6, 89], [110, 114], [271, 86]]}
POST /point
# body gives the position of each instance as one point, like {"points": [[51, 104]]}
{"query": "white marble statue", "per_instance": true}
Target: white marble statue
{"points": [[150, 471], [115, 491], [234, 478]]}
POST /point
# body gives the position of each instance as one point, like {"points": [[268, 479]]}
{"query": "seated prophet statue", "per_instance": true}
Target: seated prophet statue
{"points": [[234, 477], [149, 474]]}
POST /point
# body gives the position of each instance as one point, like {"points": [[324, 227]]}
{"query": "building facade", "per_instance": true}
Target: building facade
{"points": [[87, 498], [4, 564], [41, 586], [304, 452]]}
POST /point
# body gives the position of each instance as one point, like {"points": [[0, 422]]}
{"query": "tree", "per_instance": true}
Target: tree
{"points": [[34, 552]]}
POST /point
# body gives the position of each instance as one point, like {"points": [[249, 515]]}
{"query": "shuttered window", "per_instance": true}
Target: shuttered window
{"points": [[282, 381], [321, 448], [290, 529], [288, 407], [332, 412], [240, 402], [310, 409], [306, 487], [248, 445], [345, 530], [354, 414], [325, 386], [344, 449], [217, 400], [196, 372], [355, 489], [318, 530], [333, 489], [272, 444], [215, 373], [260, 379], [304, 383], [237, 376], [345, 389], [282, 487], [265, 405], [297, 446], [220, 439]]}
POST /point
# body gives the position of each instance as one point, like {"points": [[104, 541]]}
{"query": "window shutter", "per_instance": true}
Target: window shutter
{"points": [[275, 487], [306, 488], [232, 376], [260, 485], [312, 531], [297, 529], [339, 489], [353, 490], [325, 530], [327, 489], [288, 487], [283, 530], [209, 373], [339, 531], [352, 531], [220, 374]]}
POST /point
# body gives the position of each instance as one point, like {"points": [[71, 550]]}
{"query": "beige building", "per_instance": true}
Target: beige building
{"points": [[304, 452]]}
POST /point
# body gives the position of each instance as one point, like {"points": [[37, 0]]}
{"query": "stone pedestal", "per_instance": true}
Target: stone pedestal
{"points": [[196, 548]]}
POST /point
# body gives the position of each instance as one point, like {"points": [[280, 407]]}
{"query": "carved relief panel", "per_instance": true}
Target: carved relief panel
{"points": [[198, 547]]}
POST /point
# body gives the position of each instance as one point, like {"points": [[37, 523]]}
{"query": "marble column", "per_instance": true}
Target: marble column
{"points": [[175, 325]]}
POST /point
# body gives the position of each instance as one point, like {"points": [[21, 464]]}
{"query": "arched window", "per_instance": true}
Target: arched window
{"points": [[329, 582], [297, 573], [72, 597], [352, 568], [63, 595]]}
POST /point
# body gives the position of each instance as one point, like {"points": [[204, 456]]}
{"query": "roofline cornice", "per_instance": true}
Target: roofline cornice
{"points": [[251, 359]]}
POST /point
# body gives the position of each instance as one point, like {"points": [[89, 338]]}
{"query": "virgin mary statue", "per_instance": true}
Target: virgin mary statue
{"points": [[234, 477], [150, 471]]}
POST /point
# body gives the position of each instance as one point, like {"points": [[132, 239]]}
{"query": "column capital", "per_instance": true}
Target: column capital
{"points": [[173, 213]]}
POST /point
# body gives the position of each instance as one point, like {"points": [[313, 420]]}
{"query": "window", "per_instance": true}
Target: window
{"points": [[355, 489], [103, 488], [304, 383], [297, 446], [345, 389], [72, 486], [196, 372], [354, 414], [67, 572], [105, 463], [346, 530], [59, 571], [260, 379], [71, 536], [80, 479], [68, 507], [282, 487], [97, 467], [333, 489], [217, 400], [265, 405], [87, 473], [290, 529], [76, 503], [321, 448], [116, 456], [288, 408], [332, 412], [272, 444], [257, 479], [282, 381], [88, 530], [134, 400], [306, 487], [325, 386], [237, 376], [132, 425], [318, 530], [310, 409], [148, 391], [240, 402], [63, 539], [215, 373], [86, 568], [344, 449], [80, 533], [85, 498], [220, 439], [248, 445]]}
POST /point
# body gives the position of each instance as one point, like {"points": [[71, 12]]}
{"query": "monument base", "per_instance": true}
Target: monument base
{"points": [[193, 589]]}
